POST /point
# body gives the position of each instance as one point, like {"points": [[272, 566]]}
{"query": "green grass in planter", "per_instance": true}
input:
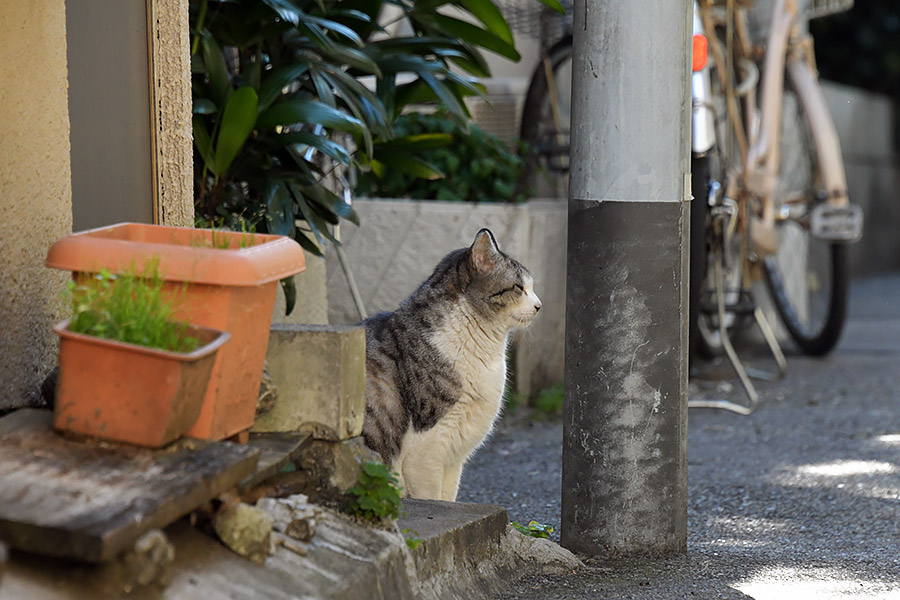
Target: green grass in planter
{"points": [[128, 308], [218, 238]]}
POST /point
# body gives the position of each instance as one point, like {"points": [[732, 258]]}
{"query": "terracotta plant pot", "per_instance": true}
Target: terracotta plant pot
{"points": [[130, 393], [223, 280]]}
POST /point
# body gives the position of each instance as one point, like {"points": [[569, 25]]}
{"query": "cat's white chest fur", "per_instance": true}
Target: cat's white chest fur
{"points": [[432, 460], [479, 358]]}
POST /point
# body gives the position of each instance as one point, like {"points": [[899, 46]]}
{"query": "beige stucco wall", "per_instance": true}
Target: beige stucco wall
{"points": [[170, 53], [35, 190]]}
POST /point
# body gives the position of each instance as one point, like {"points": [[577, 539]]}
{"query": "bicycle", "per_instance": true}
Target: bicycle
{"points": [[770, 197]]}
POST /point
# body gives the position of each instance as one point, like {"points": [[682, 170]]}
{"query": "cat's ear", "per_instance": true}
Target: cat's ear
{"points": [[485, 251]]}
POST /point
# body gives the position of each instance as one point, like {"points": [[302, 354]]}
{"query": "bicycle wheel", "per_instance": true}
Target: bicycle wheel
{"points": [[702, 343], [704, 333], [807, 277], [545, 124]]}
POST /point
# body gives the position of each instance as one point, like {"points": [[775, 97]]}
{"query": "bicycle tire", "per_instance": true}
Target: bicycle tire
{"points": [[544, 152], [813, 313], [699, 344]]}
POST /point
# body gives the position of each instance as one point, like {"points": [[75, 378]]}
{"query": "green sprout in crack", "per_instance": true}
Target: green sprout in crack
{"points": [[412, 538], [534, 529], [377, 495]]}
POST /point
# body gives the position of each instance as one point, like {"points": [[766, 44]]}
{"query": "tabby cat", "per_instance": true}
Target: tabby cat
{"points": [[436, 367]]}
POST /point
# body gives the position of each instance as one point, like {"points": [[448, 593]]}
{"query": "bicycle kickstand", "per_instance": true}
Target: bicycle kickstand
{"points": [[743, 373], [774, 348]]}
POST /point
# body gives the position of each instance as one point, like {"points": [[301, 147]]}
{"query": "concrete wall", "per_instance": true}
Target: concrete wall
{"points": [[35, 190], [865, 124], [400, 242], [311, 307]]}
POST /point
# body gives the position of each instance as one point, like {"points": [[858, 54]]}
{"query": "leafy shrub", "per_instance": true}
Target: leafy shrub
{"points": [[280, 108], [471, 165], [861, 47], [550, 400], [128, 308], [376, 496], [274, 79]]}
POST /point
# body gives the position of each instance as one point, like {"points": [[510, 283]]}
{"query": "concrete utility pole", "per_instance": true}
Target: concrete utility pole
{"points": [[625, 430]]}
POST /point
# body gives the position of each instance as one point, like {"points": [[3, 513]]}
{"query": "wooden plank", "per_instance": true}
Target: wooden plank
{"points": [[276, 451], [90, 500]]}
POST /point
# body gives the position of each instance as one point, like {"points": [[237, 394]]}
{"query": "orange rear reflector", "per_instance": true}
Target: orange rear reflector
{"points": [[700, 51]]}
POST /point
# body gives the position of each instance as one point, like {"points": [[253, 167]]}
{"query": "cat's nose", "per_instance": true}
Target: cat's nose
{"points": [[537, 306]]}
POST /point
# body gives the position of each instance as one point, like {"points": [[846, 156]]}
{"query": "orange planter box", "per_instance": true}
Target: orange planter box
{"points": [[129, 393], [222, 280]]}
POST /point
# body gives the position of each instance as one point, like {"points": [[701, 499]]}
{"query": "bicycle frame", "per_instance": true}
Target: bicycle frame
{"points": [[758, 132], [787, 41]]}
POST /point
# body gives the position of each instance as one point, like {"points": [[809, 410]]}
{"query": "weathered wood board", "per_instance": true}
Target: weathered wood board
{"points": [[90, 500], [276, 451]]}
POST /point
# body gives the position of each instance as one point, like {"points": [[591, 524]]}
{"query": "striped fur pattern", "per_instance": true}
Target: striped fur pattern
{"points": [[436, 367]]}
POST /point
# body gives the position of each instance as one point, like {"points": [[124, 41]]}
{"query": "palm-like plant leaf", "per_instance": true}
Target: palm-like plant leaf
{"points": [[280, 97], [237, 122], [307, 110]]}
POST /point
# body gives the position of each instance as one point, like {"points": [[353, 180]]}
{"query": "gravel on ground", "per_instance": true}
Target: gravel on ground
{"points": [[800, 499]]}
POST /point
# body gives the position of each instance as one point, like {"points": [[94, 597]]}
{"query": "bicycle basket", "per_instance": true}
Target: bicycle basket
{"points": [[536, 21], [823, 8]]}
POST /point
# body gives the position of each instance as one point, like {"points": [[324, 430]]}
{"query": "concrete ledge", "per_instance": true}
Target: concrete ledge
{"points": [[453, 534], [320, 373], [470, 551], [467, 552]]}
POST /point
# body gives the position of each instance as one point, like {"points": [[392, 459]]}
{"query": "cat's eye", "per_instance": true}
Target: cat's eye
{"points": [[516, 289]]}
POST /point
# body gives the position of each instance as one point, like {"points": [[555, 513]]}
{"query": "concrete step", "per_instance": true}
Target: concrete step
{"points": [[455, 536], [467, 551]]}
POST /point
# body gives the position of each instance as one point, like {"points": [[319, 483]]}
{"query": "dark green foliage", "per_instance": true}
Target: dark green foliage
{"points": [[279, 101], [469, 165], [376, 496], [511, 401], [549, 401], [127, 308], [861, 47], [533, 529], [265, 73]]}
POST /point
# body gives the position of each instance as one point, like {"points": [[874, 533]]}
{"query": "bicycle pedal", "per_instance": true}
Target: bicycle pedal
{"points": [[837, 223]]}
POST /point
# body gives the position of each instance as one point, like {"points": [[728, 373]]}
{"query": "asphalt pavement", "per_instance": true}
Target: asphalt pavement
{"points": [[799, 500]]}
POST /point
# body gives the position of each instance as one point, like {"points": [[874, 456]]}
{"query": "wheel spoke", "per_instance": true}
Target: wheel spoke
{"points": [[807, 276]]}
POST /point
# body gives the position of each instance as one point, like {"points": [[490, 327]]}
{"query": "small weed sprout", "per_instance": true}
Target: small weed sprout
{"points": [[377, 495], [412, 540], [534, 529]]}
